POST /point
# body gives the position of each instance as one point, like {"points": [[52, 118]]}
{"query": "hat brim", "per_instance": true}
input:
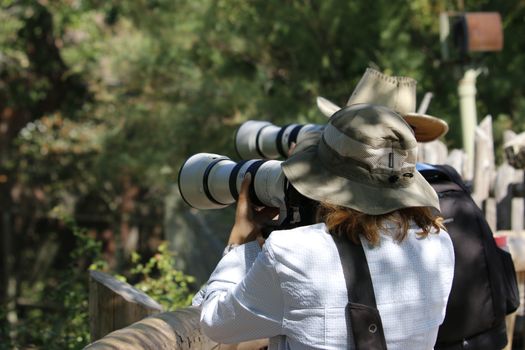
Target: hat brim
{"points": [[327, 107], [426, 127], [306, 173]]}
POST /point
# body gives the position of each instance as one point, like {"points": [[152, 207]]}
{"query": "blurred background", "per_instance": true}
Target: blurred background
{"points": [[102, 101]]}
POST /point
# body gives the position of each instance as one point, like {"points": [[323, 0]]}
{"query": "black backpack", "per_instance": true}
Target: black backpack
{"points": [[484, 288]]}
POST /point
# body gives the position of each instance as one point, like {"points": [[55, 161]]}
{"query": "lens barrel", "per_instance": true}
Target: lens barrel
{"points": [[212, 181], [260, 139]]}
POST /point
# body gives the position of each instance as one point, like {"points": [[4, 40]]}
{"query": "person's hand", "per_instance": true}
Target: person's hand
{"points": [[292, 149], [248, 220]]}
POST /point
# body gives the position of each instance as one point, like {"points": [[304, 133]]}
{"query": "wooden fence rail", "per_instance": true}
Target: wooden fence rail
{"points": [[176, 330], [122, 317], [114, 305]]}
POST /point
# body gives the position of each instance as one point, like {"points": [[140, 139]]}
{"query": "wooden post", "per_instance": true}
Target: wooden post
{"points": [[489, 208], [458, 160], [484, 168], [518, 206], [505, 177], [434, 152], [114, 304]]}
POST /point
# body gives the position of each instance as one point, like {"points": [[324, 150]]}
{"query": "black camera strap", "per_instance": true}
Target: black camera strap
{"points": [[361, 310]]}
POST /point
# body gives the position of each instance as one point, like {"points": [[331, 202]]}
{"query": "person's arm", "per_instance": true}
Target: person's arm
{"points": [[246, 229], [235, 307], [235, 311], [238, 267]]}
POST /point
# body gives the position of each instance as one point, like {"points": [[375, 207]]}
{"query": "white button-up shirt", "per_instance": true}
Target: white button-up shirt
{"points": [[294, 291]]}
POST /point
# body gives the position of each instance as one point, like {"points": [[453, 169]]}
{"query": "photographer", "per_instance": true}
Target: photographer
{"points": [[293, 291]]}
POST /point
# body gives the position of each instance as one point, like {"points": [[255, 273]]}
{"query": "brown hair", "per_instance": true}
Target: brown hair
{"points": [[341, 220]]}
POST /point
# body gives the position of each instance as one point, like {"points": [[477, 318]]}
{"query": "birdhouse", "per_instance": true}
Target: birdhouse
{"points": [[466, 33]]}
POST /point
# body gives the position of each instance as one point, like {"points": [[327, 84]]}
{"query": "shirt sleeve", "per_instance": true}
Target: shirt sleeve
{"points": [[238, 308], [198, 298]]}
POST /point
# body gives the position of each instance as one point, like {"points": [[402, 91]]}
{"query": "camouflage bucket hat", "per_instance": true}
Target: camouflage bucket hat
{"points": [[365, 159]]}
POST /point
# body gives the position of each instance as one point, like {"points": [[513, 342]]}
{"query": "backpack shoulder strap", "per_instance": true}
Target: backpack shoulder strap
{"points": [[361, 310]]}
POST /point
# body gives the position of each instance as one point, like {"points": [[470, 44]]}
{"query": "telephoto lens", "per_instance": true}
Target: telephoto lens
{"points": [[260, 139], [213, 181]]}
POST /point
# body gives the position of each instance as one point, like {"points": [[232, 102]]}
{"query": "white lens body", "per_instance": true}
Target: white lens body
{"points": [[259, 139], [270, 184], [267, 142], [246, 138], [192, 173], [295, 133], [212, 181], [218, 182], [285, 138]]}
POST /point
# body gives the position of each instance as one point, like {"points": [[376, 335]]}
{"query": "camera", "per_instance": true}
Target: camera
{"points": [[212, 181], [260, 139]]}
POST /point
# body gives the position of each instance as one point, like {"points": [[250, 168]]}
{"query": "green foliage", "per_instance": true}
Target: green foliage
{"points": [[6, 343], [55, 150], [62, 322], [66, 324], [159, 279], [172, 78]]}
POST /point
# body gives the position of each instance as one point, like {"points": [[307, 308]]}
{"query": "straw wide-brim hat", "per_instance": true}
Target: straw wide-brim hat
{"points": [[397, 93], [365, 159]]}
